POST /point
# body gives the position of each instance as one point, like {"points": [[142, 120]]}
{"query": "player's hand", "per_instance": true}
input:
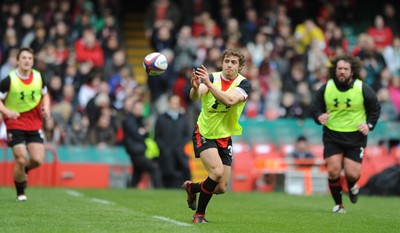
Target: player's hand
{"points": [[195, 80], [46, 113], [202, 72], [323, 118], [12, 115], [363, 128]]}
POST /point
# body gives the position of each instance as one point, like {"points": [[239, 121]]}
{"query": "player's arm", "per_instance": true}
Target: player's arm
{"points": [[198, 89], [372, 106], [228, 98], [319, 106], [4, 88], [45, 103]]}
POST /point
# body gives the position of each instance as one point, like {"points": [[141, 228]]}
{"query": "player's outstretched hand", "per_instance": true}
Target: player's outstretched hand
{"points": [[195, 80]]}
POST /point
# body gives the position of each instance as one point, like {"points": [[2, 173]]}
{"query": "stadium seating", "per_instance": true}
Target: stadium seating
{"points": [[243, 177], [376, 159]]}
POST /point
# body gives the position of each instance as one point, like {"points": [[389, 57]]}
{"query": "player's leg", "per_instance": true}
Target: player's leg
{"points": [[223, 183], [215, 169], [35, 146], [20, 177], [352, 170], [36, 155], [334, 168]]}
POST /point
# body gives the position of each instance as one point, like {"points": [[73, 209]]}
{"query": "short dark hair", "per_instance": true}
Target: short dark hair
{"points": [[301, 138], [30, 50]]}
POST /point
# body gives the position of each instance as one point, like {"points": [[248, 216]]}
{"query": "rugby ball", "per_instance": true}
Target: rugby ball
{"points": [[155, 64]]}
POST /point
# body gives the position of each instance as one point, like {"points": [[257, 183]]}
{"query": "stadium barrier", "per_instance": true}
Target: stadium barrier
{"points": [[260, 160], [75, 167]]}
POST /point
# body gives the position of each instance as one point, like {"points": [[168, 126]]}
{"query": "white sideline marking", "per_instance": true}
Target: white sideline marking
{"points": [[102, 201], [165, 219], [172, 221], [74, 193]]}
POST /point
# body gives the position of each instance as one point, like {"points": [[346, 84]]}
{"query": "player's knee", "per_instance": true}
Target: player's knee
{"points": [[334, 171], [220, 189], [354, 176], [216, 173], [35, 162], [20, 161]]}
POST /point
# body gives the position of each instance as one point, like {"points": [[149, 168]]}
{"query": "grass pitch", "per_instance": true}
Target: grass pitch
{"points": [[116, 210]]}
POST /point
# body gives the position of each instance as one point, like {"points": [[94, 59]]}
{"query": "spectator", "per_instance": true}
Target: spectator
{"points": [[100, 103], [135, 133], [373, 61], [121, 83], [171, 134], [40, 38], [53, 132], [381, 34], [162, 38], [388, 110], [88, 49], [27, 29], [185, 49], [205, 25], [260, 48], [392, 56], [249, 26], [55, 87], [301, 149], [305, 33], [391, 18], [315, 57], [254, 106], [394, 91], [67, 104], [77, 132], [162, 12], [336, 42], [10, 64], [89, 89], [10, 41], [102, 134]]}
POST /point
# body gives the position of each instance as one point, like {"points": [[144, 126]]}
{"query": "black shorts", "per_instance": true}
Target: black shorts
{"points": [[354, 153], [201, 143], [24, 137]]}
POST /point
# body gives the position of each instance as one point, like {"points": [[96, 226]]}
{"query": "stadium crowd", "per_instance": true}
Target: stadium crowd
{"points": [[288, 44]]}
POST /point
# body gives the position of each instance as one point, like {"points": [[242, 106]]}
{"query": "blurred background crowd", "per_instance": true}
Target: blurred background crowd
{"points": [[81, 53]]}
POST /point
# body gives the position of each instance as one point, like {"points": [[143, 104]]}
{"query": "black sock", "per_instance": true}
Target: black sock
{"points": [[336, 190], [20, 186], [207, 190], [350, 184], [195, 187]]}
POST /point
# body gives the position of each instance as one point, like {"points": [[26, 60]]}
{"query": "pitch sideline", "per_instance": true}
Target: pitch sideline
{"points": [[105, 202]]}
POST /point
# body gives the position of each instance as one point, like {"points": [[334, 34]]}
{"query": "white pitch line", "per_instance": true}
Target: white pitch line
{"points": [[74, 193], [102, 201], [172, 221], [165, 219]]}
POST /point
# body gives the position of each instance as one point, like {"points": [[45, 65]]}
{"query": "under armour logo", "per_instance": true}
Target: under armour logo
{"points": [[336, 103], [348, 103], [215, 105], [23, 95]]}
